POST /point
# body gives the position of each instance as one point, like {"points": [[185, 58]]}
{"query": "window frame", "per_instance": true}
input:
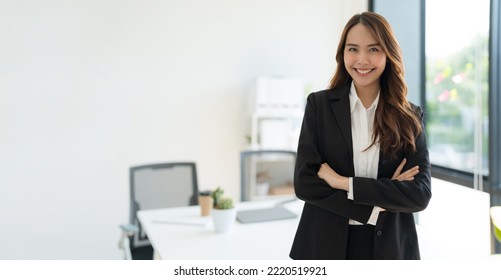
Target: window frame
{"points": [[494, 185]]}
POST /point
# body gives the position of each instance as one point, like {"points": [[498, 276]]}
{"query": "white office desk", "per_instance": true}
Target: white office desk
{"points": [[273, 240], [194, 237]]}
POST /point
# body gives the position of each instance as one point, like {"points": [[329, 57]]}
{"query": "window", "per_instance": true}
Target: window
{"points": [[457, 79]]}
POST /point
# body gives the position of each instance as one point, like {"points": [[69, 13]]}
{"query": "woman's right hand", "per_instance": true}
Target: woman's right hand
{"points": [[407, 175]]}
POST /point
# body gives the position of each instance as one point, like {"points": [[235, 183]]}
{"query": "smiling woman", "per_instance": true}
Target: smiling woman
{"points": [[362, 164], [365, 62]]}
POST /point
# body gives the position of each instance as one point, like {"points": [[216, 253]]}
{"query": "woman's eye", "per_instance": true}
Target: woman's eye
{"points": [[352, 49], [373, 49]]}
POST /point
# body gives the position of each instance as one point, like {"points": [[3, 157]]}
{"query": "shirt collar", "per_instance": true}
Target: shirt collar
{"points": [[354, 99]]}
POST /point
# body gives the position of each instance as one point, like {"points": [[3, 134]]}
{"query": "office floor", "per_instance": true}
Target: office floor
{"points": [[456, 223]]}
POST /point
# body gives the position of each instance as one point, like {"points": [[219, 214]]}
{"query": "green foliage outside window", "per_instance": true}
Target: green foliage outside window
{"points": [[453, 85]]}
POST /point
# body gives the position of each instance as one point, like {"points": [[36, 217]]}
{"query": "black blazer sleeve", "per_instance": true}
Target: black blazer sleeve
{"points": [[308, 186], [394, 195]]}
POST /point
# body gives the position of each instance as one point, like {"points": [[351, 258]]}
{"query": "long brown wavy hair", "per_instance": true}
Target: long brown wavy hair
{"points": [[396, 123]]}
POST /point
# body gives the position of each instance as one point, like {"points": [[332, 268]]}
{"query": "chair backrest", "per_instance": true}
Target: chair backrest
{"points": [[160, 185], [265, 172]]}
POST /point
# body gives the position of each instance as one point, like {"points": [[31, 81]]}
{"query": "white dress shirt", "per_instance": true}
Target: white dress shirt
{"points": [[365, 160]]}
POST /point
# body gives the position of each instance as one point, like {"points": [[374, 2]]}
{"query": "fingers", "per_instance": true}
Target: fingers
{"points": [[399, 169], [323, 170], [409, 174]]}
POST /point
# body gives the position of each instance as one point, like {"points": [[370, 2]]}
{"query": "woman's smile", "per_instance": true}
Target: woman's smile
{"points": [[363, 71]]}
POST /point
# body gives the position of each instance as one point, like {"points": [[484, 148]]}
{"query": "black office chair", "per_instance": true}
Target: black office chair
{"points": [[156, 186], [265, 173]]}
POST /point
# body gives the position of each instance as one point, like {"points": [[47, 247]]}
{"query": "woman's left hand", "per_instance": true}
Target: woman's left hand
{"points": [[408, 175]]}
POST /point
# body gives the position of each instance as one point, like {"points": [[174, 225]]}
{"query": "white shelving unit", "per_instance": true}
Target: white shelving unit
{"points": [[270, 131], [274, 167], [276, 109]]}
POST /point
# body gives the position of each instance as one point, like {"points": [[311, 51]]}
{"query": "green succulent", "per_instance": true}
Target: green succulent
{"points": [[225, 203], [216, 195]]}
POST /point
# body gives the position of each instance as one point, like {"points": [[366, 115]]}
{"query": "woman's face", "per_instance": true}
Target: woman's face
{"points": [[364, 58]]}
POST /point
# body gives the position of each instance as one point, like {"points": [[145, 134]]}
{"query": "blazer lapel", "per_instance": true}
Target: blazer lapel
{"points": [[340, 105]]}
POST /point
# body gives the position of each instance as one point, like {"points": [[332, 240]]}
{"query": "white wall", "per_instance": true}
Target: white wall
{"points": [[89, 88]]}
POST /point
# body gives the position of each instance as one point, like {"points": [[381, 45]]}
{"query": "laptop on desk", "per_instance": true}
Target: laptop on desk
{"points": [[264, 215]]}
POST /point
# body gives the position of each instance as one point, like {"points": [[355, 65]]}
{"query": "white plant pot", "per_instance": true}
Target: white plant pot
{"points": [[223, 219]]}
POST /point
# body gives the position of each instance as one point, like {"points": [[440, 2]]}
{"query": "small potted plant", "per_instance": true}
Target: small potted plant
{"points": [[216, 195], [224, 212]]}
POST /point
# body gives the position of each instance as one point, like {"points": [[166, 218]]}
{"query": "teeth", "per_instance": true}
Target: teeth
{"points": [[363, 71]]}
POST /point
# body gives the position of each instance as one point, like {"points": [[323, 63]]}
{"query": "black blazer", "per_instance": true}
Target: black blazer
{"points": [[323, 228]]}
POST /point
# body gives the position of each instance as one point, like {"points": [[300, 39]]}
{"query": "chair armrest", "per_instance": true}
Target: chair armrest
{"points": [[129, 229]]}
